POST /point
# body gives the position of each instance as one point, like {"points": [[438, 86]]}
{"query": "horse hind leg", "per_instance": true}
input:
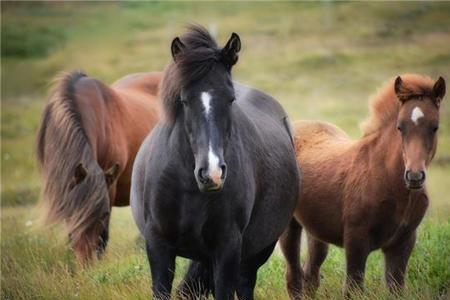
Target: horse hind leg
{"points": [[290, 246], [317, 253], [197, 282]]}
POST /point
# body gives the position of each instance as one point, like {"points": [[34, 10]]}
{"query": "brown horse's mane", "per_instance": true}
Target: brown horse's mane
{"points": [[385, 105], [61, 145], [199, 56]]}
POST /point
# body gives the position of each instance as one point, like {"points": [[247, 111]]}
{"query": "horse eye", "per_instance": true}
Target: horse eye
{"points": [[232, 100], [399, 128], [435, 128]]}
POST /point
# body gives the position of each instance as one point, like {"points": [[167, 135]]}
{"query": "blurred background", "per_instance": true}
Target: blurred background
{"points": [[320, 60]]}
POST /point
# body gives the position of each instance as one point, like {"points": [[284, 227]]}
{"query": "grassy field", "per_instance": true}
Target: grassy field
{"points": [[321, 60]]}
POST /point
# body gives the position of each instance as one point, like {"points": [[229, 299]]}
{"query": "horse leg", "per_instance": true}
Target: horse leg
{"points": [[197, 282], [356, 252], [290, 246], [162, 268], [317, 252], [249, 271], [103, 239], [396, 259], [227, 259]]}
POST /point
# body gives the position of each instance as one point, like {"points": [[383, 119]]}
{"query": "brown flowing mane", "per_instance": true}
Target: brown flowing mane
{"points": [[61, 125], [384, 105]]}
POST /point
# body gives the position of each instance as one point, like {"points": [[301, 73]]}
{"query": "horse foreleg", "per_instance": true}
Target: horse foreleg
{"points": [[317, 252], [162, 267], [227, 259], [356, 252], [197, 282], [249, 270], [290, 246], [103, 239], [396, 259]]}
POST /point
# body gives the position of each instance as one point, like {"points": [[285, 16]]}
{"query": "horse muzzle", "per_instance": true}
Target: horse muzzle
{"points": [[211, 180], [415, 180]]}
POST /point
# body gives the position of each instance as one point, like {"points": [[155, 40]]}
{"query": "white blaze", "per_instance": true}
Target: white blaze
{"points": [[416, 115], [214, 170], [213, 163], [206, 99]]}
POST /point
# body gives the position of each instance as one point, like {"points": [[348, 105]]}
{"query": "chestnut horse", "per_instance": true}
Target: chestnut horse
{"points": [[365, 194], [86, 144]]}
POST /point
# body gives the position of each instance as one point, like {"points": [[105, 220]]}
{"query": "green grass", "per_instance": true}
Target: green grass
{"points": [[321, 60]]}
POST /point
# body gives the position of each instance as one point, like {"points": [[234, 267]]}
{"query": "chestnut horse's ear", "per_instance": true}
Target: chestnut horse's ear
{"points": [[111, 174], [439, 91], [231, 50], [79, 174], [177, 47], [401, 91]]}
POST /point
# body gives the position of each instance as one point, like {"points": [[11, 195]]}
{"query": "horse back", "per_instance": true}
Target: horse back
{"points": [[145, 82]]}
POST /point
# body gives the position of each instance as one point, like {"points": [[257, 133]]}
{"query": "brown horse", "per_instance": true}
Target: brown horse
{"points": [[365, 194], [86, 144]]}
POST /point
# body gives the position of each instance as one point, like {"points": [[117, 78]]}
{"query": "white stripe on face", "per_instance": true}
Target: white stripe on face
{"points": [[214, 170], [416, 115], [206, 99]]}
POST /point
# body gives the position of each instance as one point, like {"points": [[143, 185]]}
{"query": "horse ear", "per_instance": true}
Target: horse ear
{"points": [[111, 174], [79, 174], [231, 50], [439, 91], [401, 91], [177, 47]]}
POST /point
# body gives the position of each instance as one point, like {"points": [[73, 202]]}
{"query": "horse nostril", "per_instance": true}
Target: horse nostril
{"points": [[202, 175], [408, 175], [421, 176], [223, 167]]}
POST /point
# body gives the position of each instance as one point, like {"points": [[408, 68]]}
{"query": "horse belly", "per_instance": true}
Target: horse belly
{"points": [[319, 209], [272, 211]]}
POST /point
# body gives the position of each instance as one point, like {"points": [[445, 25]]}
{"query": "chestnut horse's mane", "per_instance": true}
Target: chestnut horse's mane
{"points": [[385, 105], [61, 145]]}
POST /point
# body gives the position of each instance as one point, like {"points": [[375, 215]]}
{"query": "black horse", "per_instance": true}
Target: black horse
{"points": [[216, 181]]}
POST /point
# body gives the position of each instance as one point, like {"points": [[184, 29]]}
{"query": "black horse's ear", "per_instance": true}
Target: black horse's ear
{"points": [[79, 174], [231, 50], [111, 174], [402, 92], [439, 91], [177, 47]]}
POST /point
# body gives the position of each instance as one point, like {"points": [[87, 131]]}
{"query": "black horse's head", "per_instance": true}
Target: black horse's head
{"points": [[204, 100]]}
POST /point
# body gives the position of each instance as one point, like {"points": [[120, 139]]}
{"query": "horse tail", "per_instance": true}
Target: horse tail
{"points": [[62, 146]]}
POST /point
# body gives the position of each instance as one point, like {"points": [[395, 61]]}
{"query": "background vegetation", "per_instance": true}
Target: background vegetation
{"points": [[321, 60]]}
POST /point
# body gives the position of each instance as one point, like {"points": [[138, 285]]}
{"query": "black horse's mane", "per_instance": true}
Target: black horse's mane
{"points": [[199, 56]]}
